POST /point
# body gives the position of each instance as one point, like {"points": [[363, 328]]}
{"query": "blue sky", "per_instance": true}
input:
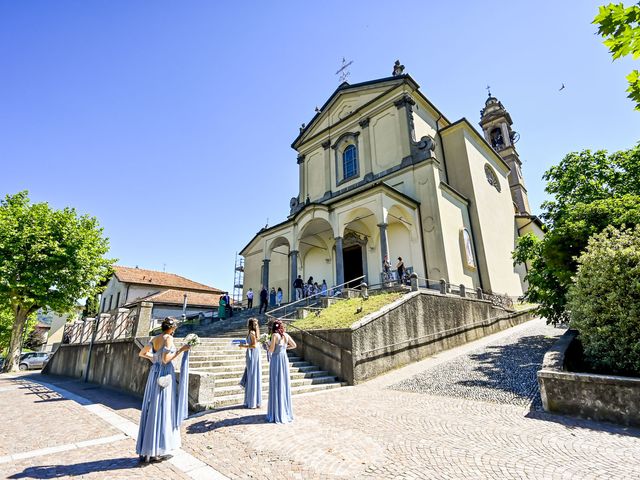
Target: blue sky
{"points": [[172, 121]]}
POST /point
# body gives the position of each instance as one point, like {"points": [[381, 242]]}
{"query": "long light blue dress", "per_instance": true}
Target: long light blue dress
{"points": [[160, 419], [253, 382], [279, 409]]}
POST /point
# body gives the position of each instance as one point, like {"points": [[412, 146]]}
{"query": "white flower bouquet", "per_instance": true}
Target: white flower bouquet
{"points": [[265, 340], [192, 340]]}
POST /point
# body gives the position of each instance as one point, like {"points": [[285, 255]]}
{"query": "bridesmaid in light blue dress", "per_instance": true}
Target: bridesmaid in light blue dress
{"points": [[159, 431], [279, 409], [253, 372]]}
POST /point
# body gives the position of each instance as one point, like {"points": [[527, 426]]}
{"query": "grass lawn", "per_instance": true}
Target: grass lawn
{"points": [[345, 313]]}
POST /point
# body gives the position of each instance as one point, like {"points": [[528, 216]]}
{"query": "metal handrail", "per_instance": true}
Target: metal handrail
{"points": [[318, 295], [290, 324]]}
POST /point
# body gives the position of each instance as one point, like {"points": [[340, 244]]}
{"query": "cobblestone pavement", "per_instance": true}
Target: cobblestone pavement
{"points": [[504, 371], [368, 431], [44, 435]]}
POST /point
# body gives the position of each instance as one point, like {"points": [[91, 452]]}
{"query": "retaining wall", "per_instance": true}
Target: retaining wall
{"points": [[416, 326], [587, 395], [116, 364]]}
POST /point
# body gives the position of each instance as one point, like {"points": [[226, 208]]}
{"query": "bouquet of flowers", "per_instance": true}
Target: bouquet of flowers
{"points": [[264, 340], [192, 340]]}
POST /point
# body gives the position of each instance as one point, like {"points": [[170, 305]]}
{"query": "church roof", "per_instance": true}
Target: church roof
{"points": [[345, 87]]}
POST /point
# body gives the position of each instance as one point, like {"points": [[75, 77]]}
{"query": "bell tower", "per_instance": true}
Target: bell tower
{"points": [[496, 125]]}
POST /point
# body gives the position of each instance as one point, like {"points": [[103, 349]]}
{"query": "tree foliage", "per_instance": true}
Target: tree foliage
{"points": [[48, 259], [590, 192], [604, 302], [620, 28]]}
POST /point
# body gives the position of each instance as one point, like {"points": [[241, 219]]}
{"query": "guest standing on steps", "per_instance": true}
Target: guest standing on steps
{"points": [[253, 372], [272, 298], [250, 299], [298, 284], [160, 418], [400, 269], [279, 297], [264, 298], [279, 409]]}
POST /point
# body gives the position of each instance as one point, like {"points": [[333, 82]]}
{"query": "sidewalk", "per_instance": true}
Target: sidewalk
{"points": [[374, 430]]}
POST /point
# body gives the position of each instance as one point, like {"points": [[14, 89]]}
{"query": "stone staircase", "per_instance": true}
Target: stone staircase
{"points": [[217, 356]]}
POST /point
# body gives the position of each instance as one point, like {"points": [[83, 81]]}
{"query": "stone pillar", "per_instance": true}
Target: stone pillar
{"points": [[365, 263], [293, 255], [143, 320], [384, 243], [443, 286], [366, 147], [303, 192], [265, 273], [463, 291], [339, 262], [327, 167], [479, 293], [405, 119], [414, 282]]}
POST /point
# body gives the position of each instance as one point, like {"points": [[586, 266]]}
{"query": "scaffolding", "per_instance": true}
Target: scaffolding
{"points": [[238, 280]]}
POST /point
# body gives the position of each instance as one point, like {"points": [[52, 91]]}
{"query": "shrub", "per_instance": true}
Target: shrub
{"points": [[604, 302]]}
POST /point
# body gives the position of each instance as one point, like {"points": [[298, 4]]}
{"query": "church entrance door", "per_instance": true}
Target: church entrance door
{"points": [[352, 257]]}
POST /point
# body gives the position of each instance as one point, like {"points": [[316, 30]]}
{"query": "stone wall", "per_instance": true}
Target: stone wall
{"points": [[587, 395], [416, 326], [116, 364]]}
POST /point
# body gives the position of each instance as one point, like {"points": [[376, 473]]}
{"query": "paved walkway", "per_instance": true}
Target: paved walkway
{"points": [[396, 426]]}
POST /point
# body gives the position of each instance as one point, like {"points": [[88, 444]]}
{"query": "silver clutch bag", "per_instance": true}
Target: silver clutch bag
{"points": [[164, 381]]}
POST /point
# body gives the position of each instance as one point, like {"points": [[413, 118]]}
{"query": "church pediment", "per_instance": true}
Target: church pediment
{"points": [[346, 100]]}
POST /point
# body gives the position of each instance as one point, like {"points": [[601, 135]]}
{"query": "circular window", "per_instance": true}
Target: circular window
{"points": [[492, 178]]}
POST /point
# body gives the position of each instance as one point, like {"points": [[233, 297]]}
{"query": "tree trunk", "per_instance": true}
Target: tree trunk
{"points": [[13, 356]]}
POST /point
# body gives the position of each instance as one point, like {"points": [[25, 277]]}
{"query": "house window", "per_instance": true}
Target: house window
{"points": [[104, 303], [350, 162], [492, 178], [118, 300], [110, 300]]}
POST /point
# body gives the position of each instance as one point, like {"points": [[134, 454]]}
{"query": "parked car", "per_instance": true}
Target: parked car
{"points": [[33, 360]]}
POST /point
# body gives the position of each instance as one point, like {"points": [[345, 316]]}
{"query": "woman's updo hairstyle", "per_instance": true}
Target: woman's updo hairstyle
{"points": [[169, 323], [277, 327]]}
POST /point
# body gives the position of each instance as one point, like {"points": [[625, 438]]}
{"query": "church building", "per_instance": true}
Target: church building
{"points": [[383, 172]]}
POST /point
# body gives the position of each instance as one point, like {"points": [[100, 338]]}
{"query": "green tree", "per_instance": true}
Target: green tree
{"points": [[90, 309], [48, 259], [589, 192], [604, 302], [620, 28]]}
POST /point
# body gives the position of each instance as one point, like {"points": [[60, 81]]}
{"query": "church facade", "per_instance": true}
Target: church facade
{"points": [[382, 172]]}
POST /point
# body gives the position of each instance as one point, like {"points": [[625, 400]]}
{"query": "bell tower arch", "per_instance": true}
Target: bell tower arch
{"points": [[496, 125]]}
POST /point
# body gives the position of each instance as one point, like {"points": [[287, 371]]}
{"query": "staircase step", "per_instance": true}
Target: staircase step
{"points": [[294, 362], [238, 399], [237, 370], [230, 381], [236, 389]]}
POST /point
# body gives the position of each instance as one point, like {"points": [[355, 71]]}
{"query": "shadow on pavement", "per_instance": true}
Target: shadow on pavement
{"points": [[114, 399], [207, 426], [512, 368], [57, 471], [574, 423]]}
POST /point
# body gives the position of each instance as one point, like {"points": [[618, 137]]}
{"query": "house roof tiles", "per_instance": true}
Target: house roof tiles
{"points": [[141, 276]]}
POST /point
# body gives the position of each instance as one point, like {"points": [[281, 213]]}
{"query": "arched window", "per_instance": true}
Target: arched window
{"points": [[497, 141], [350, 161], [492, 178], [470, 261]]}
